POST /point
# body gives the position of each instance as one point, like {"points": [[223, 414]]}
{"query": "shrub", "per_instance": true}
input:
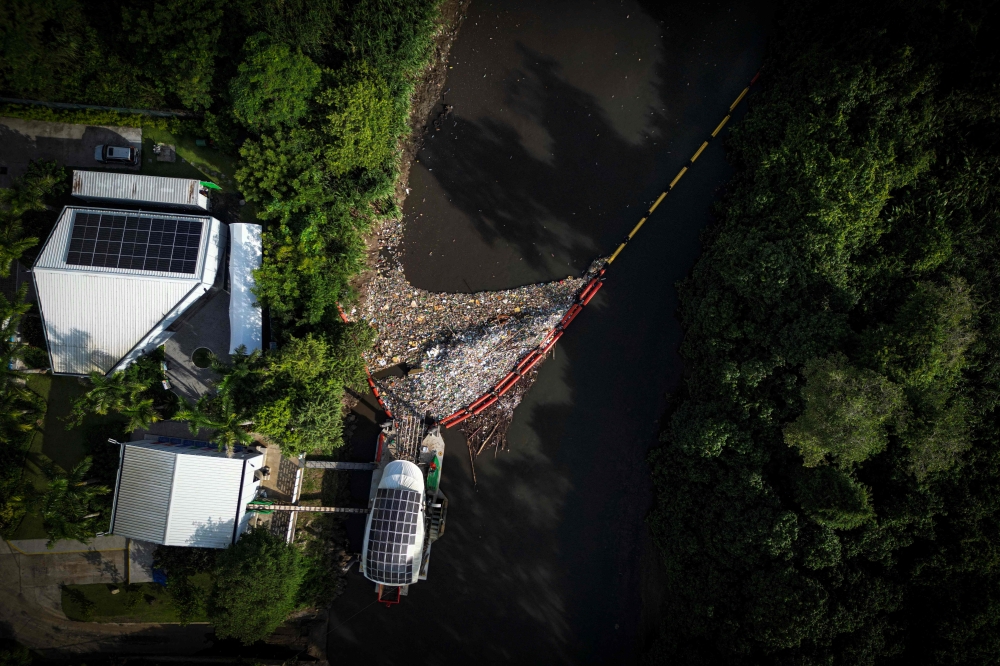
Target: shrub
{"points": [[257, 580]]}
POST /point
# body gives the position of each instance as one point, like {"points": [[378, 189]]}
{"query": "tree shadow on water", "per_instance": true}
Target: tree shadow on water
{"points": [[571, 199]]}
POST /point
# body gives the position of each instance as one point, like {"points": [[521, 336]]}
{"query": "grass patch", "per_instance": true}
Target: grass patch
{"points": [[321, 487], [64, 447], [193, 161], [142, 602]]}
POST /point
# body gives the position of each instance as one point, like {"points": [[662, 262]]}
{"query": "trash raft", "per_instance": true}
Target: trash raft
{"points": [[437, 353]]}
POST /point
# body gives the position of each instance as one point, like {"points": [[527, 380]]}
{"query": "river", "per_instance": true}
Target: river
{"points": [[569, 118]]}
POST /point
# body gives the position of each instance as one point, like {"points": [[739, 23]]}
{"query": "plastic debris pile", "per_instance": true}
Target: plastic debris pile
{"points": [[488, 429], [452, 348]]}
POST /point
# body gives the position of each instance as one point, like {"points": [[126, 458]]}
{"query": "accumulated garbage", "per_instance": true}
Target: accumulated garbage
{"points": [[488, 429], [449, 349]]}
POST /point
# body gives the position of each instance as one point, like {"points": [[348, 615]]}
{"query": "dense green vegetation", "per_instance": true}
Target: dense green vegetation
{"points": [[248, 589], [829, 487], [135, 393], [20, 408], [257, 581], [312, 96]]}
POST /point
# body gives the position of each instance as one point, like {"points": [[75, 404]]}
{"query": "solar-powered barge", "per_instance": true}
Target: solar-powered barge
{"points": [[407, 509]]}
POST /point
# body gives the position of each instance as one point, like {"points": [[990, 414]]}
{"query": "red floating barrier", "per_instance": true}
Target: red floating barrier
{"points": [[551, 342], [534, 362], [451, 417], [525, 360], [455, 423], [586, 290], [485, 405], [591, 295], [571, 315], [502, 385], [508, 387], [475, 403]]}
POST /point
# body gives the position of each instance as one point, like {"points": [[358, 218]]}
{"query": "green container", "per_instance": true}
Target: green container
{"points": [[434, 474]]}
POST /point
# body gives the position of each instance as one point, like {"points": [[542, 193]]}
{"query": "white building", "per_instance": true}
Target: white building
{"points": [[97, 187], [184, 493], [110, 283]]}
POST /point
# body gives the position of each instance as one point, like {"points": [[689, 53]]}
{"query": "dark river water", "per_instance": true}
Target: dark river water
{"points": [[569, 118]]}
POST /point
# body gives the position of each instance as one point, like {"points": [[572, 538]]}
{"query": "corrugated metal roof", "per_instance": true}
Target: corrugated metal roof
{"points": [[184, 496], [205, 502], [245, 256], [130, 187], [143, 494], [93, 321], [197, 448], [95, 316]]}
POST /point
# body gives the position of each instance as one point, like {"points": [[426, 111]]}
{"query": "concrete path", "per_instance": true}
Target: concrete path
{"points": [[40, 547], [140, 561], [209, 328], [31, 603]]}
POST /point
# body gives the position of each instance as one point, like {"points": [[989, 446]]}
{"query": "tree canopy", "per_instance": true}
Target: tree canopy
{"points": [[256, 583], [21, 409], [274, 86], [829, 485]]}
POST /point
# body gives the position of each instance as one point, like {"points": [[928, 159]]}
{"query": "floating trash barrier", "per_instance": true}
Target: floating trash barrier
{"points": [[450, 349]]}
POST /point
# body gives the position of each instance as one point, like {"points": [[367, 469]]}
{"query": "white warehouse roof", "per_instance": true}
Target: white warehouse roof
{"points": [[245, 256], [184, 493], [110, 282], [131, 188]]}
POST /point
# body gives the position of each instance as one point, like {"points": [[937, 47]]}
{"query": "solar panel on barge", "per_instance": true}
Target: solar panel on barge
{"points": [[392, 536], [120, 240]]}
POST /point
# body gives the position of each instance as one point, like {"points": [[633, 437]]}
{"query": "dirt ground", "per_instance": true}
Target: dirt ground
{"points": [[22, 141], [428, 91]]}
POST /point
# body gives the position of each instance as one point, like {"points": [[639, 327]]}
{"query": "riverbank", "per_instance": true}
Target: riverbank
{"points": [[565, 126], [827, 491]]}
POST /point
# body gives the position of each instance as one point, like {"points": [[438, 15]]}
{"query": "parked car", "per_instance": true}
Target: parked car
{"points": [[116, 155]]}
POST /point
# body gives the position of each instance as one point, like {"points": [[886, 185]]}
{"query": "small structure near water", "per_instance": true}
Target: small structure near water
{"points": [[179, 492]]}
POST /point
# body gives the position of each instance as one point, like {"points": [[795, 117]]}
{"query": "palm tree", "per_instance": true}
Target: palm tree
{"points": [[218, 415], [139, 414], [237, 372], [66, 504], [11, 313], [112, 393], [12, 250]]}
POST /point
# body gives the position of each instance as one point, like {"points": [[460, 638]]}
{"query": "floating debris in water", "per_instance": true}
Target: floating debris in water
{"points": [[462, 344]]}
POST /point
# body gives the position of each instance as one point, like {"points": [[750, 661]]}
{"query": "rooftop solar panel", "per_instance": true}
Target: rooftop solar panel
{"points": [[134, 241], [392, 536]]}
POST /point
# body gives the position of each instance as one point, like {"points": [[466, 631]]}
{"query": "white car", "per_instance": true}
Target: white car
{"points": [[116, 155]]}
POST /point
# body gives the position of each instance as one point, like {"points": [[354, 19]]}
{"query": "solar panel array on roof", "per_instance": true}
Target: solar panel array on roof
{"points": [[392, 536], [116, 240]]}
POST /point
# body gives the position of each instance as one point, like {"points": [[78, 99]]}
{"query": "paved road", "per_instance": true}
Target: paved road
{"points": [[71, 145], [569, 118], [31, 602]]}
